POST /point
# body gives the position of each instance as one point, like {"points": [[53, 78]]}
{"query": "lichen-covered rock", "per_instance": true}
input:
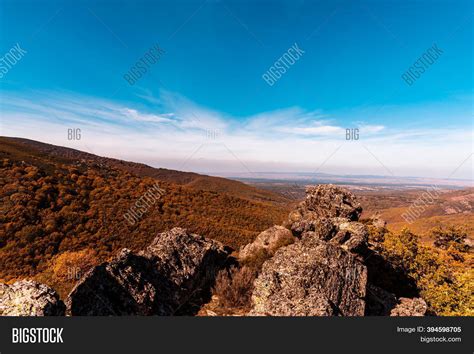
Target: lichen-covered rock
{"points": [[267, 241], [324, 201], [409, 307], [312, 304], [186, 262], [317, 275], [157, 281], [322, 229], [327, 200], [29, 298], [125, 286], [350, 235], [310, 278]]}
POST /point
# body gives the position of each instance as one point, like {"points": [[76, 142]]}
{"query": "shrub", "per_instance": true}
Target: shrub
{"points": [[449, 294], [401, 250], [234, 287], [256, 259], [446, 288], [65, 269], [451, 237], [376, 235]]}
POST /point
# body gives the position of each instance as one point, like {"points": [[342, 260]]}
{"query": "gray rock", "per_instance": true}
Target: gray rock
{"points": [[330, 213], [310, 278], [29, 298], [268, 241], [125, 286], [176, 267], [327, 200], [350, 235], [322, 229]]}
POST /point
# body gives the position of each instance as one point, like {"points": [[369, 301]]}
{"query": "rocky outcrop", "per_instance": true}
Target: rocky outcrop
{"points": [[350, 235], [409, 307], [176, 267], [324, 273], [317, 275], [267, 241], [330, 213], [125, 286], [321, 265], [324, 201], [29, 298], [310, 278]]}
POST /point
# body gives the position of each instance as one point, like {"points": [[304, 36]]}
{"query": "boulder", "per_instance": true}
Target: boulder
{"points": [[267, 241], [323, 202], [176, 267], [29, 298], [409, 307], [321, 228], [350, 235], [327, 200], [310, 278], [125, 286]]}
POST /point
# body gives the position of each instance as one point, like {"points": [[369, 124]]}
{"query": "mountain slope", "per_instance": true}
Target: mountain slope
{"points": [[56, 200], [46, 155]]}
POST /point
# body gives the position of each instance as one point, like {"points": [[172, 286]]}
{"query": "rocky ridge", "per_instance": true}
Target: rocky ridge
{"points": [[319, 264]]}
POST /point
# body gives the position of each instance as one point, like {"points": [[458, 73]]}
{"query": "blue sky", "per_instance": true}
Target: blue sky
{"points": [[210, 79]]}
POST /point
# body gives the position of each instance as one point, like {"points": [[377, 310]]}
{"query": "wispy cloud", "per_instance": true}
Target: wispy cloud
{"points": [[172, 127], [316, 129], [144, 117]]}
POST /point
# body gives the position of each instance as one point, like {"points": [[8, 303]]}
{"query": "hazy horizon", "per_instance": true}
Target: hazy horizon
{"points": [[313, 177]]}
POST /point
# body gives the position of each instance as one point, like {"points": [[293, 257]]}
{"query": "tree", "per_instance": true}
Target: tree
{"points": [[445, 238]]}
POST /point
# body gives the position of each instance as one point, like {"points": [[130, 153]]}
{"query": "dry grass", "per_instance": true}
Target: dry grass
{"points": [[234, 287], [256, 260]]}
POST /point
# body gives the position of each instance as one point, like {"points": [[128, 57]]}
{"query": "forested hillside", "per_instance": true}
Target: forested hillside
{"points": [[56, 201]]}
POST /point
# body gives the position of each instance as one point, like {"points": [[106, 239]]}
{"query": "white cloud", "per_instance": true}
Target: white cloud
{"points": [[176, 135], [143, 117], [370, 129], [314, 130]]}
